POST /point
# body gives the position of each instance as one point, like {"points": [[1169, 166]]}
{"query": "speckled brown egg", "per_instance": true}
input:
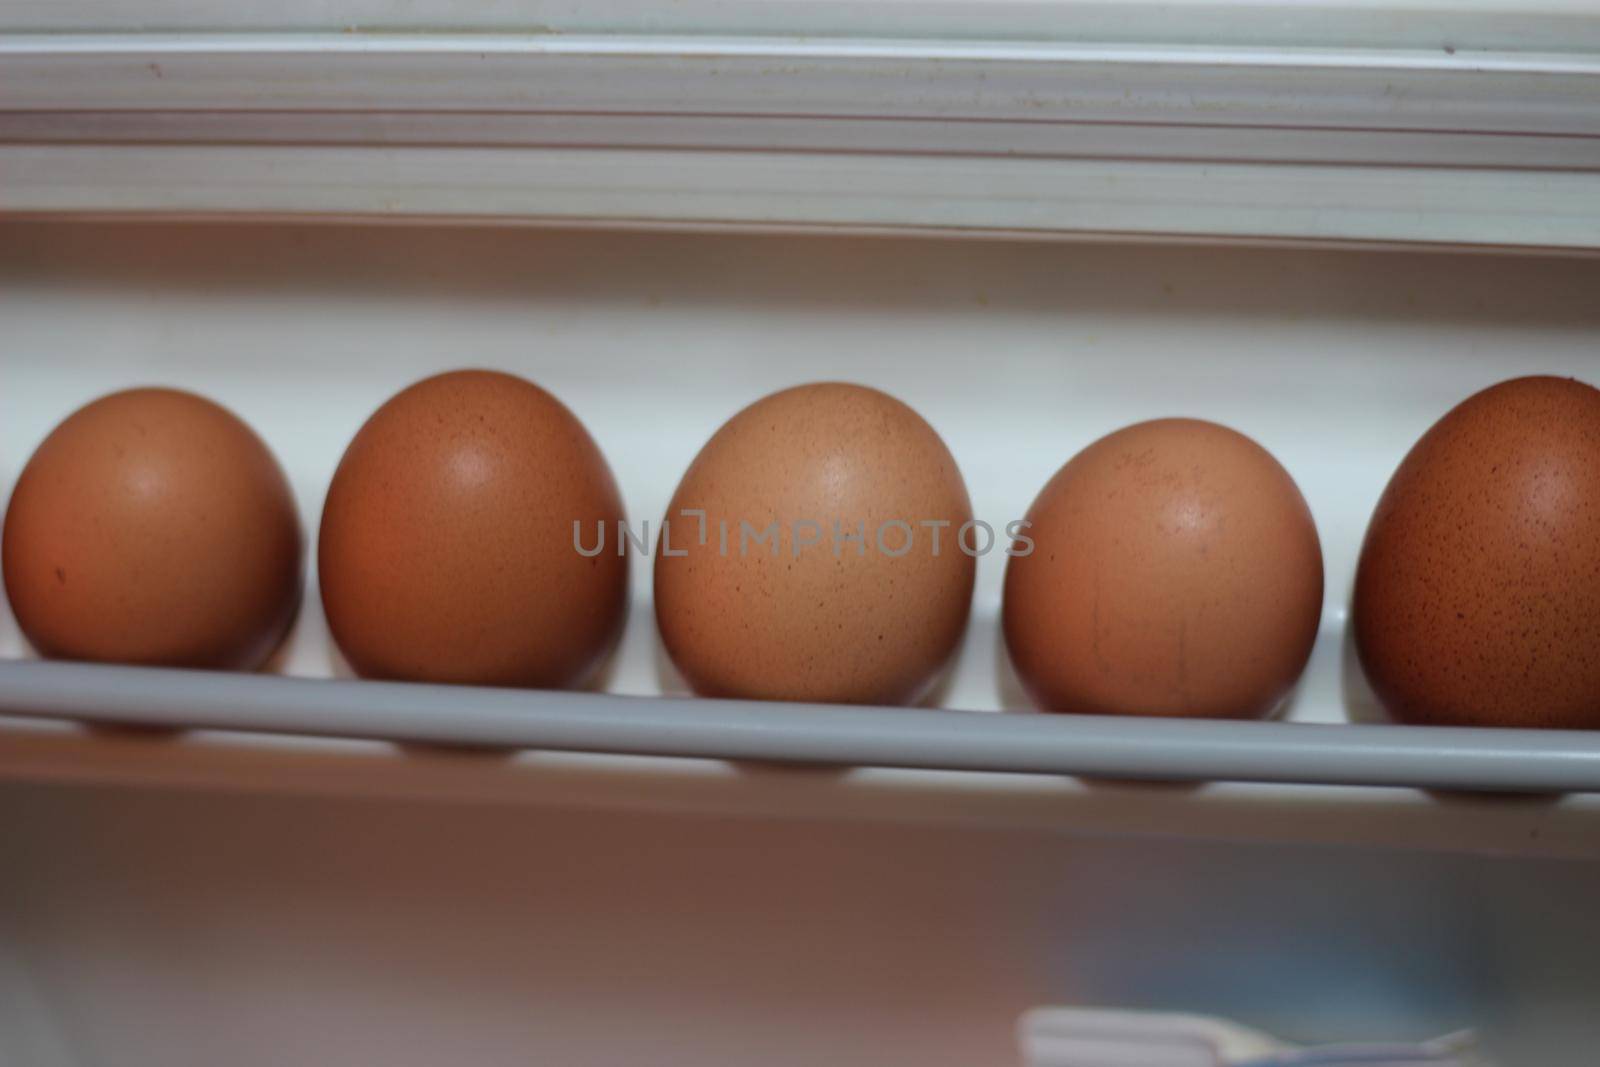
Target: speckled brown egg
{"points": [[153, 527], [1175, 570], [1477, 599], [845, 596], [447, 551]]}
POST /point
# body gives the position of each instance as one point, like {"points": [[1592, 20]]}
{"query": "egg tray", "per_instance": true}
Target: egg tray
{"points": [[1452, 758], [321, 323]]}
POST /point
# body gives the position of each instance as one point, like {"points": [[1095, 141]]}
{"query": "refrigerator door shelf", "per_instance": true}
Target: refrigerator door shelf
{"points": [[1239, 142], [1019, 353]]}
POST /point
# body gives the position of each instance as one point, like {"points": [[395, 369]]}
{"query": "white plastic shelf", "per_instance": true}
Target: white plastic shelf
{"points": [[1373, 141], [1019, 354]]}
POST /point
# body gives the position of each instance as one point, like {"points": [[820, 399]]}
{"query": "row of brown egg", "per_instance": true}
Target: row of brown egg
{"points": [[821, 547]]}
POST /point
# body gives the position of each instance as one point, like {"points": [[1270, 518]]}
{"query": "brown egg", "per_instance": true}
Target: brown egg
{"points": [[153, 527], [447, 551], [1175, 571], [1477, 598], [791, 618]]}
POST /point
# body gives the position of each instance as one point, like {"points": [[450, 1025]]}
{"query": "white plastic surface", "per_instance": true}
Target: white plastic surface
{"points": [[1378, 139], [1522, 25]]}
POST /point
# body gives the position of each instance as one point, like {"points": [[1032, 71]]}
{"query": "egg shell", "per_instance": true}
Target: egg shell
{"points": [[153, 527], [1477, 598], [1175, 571], [802, 621], [447, 549]]}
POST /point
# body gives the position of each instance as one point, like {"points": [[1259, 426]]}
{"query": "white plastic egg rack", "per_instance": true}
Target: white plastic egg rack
{"points": [[1019, 354]]}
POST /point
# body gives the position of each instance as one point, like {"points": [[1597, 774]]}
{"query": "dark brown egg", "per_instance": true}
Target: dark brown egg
{"points": [[153, 527], [1175, 570], [447, 551], [1477, 599], [844, 597]]}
